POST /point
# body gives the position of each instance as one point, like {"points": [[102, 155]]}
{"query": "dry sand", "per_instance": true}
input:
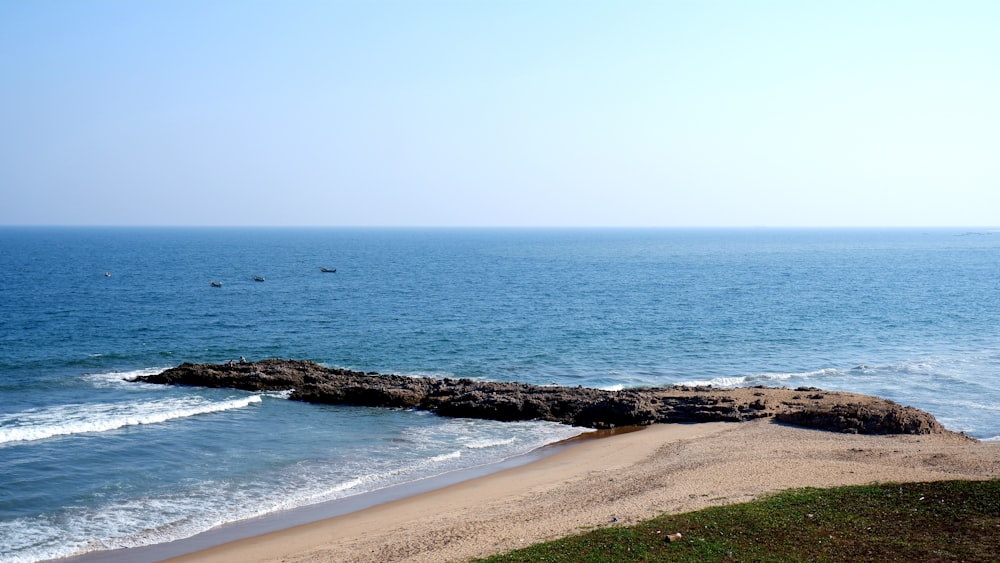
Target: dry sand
{"points": [[612, 481]]}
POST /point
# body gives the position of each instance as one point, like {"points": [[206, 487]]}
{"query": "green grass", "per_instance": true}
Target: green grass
{"points": [[938, 521]]}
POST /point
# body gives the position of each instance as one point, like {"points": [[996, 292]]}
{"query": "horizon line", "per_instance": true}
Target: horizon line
{"points": [[484, 227]]}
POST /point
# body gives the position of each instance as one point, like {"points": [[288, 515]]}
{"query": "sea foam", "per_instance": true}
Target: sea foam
{"points": [[62, 420], [764, 378]]}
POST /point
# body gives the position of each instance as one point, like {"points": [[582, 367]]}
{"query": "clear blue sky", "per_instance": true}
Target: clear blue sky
{"points": [[500, 113]]}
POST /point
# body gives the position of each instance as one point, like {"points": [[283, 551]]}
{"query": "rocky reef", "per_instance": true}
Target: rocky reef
{"points": [[578, 406]]}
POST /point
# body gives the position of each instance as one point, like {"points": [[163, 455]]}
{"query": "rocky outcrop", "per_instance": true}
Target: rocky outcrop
{"points": [[578, 406], [864, 419]]}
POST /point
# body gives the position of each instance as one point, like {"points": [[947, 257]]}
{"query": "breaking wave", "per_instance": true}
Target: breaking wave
{"points": [[63, 420]]}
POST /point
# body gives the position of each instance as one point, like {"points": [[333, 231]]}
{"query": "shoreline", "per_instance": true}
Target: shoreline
{"points": [[304, 515], [620, 479]]}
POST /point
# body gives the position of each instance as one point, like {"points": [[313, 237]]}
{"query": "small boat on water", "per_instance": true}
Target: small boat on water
{"points": [[258, 278], [328, 270], [214, 283]]}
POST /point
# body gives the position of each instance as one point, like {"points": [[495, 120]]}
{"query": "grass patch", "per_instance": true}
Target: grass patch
{"points": [[937, 521]]}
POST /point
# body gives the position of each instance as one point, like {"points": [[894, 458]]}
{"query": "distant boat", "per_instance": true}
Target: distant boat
{"points": [[107, 274], [214, 283], [258, 278], [328, 270]]}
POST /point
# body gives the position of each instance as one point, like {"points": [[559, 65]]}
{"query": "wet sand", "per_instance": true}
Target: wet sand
{"points": [[615, 480]]}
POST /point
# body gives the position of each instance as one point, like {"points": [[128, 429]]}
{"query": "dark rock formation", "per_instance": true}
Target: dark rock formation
{"points": [[864, 419], [579, 406]]}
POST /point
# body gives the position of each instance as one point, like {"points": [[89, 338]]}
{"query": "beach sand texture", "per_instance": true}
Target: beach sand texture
{"points": [[611, 481]]}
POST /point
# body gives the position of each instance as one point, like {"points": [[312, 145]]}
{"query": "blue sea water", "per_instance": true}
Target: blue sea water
{"points": [[91, 462]]}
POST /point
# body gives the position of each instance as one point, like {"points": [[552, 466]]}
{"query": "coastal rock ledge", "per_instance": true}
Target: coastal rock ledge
{"points": [[577, 406]]}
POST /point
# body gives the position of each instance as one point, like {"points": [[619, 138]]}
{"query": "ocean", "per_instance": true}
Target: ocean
{"points": [[91, 462]]}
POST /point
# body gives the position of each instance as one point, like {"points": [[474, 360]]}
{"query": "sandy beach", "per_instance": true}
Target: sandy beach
{"points": [[614, 481]]}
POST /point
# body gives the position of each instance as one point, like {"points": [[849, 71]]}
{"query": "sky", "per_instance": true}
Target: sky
{"points": [[507, 113]]}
